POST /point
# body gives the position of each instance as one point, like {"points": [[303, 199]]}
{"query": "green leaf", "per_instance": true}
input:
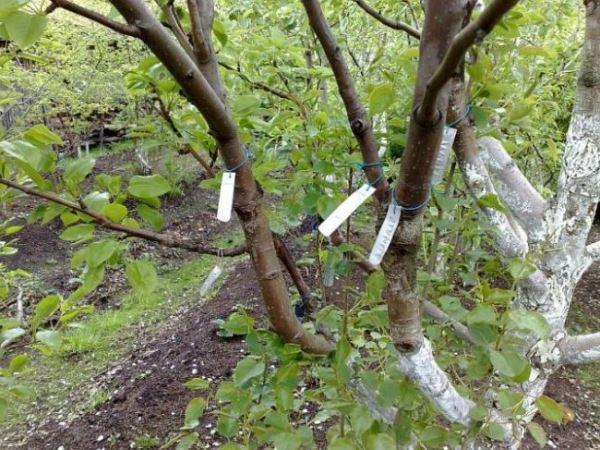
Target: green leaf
{"points": [[10, 6], [494, 431], [491, 201], [44, 309], [380, 441], [237, 324], [78, 232], [40, 135], [520, 268], [100, 252], [51, 338], [246, 104], [342, 444], [196, 384], [25, 29], [77, 170], [537, 433], [151, 216], [550, 409], [246, 370], [142, 276], [187, 441], [287, 441], [115, 212], [193, 411], [96, 201], [375, 284], [381, 98], [482, 314], [532, 321], [148, 186], [17, 363], [510, 364]]}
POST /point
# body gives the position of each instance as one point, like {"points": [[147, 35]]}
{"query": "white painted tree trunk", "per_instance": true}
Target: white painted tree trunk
{"points": [[555, 230]]}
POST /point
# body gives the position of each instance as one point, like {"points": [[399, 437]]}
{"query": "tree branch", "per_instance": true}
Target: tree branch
{"points": [[359, 121], [104, 222], [175, 27], [471, 34], [422, 368], [395, 24], [265, 87], [580, 349], [123, 28], [593, 251], [514, 188]]}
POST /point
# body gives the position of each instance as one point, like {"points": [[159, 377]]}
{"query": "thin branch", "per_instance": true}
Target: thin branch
{"points": [[470, 35], [395, 24], [175, 27], [264, 87], [201, 47], [123, 28], [187, 148], [104, 222], [429, 308], [442, 318], [580, 349], [357, 117]]}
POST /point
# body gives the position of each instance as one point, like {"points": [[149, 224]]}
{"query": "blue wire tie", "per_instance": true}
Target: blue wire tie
{"points": [[247, 156], [463, 117]]}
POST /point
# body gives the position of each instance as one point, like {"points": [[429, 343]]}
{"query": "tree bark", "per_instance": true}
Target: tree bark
{"points": [[248, 198]]}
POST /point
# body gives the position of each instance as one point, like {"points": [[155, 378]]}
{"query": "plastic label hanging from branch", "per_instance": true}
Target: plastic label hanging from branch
{"points": [[227, 190], [386, 232], [443, 155], [348, 206]]}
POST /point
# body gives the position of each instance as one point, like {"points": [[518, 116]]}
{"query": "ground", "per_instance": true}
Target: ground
{"points": [[119, 383]]}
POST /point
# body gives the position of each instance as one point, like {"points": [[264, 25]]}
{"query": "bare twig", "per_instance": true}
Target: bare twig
{"points": [[395, 24], [123, 28], [104, 222]]}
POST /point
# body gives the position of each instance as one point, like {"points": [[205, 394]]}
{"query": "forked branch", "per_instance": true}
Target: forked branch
{"points": [[394, 24], [470, 35], [123, 28]]}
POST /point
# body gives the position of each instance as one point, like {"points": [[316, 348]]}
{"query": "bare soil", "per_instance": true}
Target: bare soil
{"points": [[147, 397]]}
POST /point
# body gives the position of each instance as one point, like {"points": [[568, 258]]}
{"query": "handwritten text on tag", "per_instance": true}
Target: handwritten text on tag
{"points": [[226, 197], [386, 234], [344, 211], [443, 155]]}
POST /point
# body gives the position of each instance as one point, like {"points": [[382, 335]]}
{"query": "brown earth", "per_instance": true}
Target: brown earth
{"points": [[147, 395]]}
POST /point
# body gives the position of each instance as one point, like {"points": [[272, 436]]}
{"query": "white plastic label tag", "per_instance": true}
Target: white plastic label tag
{"points": [[210, 280], [386, 234], [344, 211], [442, 159], [226, 197]]}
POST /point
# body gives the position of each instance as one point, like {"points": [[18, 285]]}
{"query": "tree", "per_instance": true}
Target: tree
{"points": [[542, 240]]}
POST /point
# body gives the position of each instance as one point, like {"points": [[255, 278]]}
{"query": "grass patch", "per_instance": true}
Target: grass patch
{"points": [[61, 380]]}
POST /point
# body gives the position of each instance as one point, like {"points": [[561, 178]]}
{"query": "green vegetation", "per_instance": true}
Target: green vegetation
{"points": [[61, 380]]}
